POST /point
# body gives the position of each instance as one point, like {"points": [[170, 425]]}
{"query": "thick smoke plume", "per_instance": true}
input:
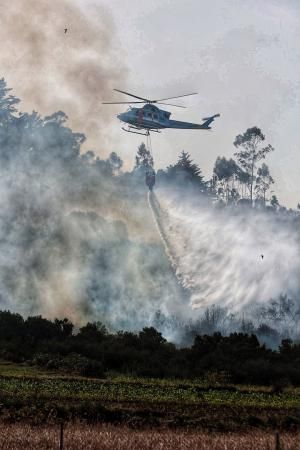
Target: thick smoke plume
{"points": [[76, 235], [233, 258], [78, 263], [76, 240], [51, 70]]}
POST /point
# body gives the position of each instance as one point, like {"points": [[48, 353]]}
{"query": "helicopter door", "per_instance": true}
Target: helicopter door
{"points": [[140, 117]]}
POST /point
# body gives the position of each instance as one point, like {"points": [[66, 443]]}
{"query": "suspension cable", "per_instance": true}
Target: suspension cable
{"points": [[149, 146]]}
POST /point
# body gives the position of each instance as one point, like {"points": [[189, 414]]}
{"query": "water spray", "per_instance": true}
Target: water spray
{"points": [[159, 215]]}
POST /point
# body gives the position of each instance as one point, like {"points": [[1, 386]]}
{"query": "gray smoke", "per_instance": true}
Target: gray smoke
{"points": [[52, 70], [76, 235], [76, 239]]}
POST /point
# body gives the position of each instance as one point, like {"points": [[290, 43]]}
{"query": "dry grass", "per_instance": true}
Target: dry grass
{"points": [[92, 437]]}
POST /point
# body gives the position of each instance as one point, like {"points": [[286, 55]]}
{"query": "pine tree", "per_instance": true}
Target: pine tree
{"points": [[7, 102], [186, 171]]}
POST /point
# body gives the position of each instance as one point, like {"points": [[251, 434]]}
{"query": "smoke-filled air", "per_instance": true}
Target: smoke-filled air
{"points": [[51, 70], [82, 238], [76, 233]]}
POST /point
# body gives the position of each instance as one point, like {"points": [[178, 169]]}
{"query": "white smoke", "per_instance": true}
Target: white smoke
{"points": [[232, 258]]}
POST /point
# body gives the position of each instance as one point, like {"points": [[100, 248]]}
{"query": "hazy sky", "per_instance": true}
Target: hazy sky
{"points": [[242, 57]]}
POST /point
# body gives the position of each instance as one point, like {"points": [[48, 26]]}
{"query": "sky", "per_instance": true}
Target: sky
{"points": [[243, 58]]}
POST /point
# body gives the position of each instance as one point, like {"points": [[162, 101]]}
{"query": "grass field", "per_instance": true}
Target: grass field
{"points": [[93, 437], [64, 389], [36, 396]]}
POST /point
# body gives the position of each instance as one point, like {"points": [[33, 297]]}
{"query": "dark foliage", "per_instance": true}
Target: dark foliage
{"points": [[184, 173], [93, 351]]}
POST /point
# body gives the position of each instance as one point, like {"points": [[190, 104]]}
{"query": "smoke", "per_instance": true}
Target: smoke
{"points": [[233, 258], [79, 264], [51, 70], [76, 238]]}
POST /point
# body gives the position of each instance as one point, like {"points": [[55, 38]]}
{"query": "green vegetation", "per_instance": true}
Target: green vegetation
{"points": [[139, 390], [27, 393]]}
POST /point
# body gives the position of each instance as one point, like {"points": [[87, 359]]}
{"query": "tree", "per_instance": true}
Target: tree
{"points": [[11, 325], [243, 179], [274, 202], [7, 102], [115, 161], [224, 171], [59, 117], [143, 158], [151, 339], [263, 181], [283, 310], [38, 328], [186, 171], [225, 168], [252, 152], [65, 326], [94, 332]]}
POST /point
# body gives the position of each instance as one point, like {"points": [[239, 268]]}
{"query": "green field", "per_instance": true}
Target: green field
{"points": [[28, 393]]}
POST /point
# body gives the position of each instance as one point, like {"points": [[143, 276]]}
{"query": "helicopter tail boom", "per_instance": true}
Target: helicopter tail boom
{"points": [[193, 126]]}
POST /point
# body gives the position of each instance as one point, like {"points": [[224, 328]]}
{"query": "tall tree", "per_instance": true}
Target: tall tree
{"points": [[143, 158], [252, 152], [263, 181], [225, 171], [225, 168]]}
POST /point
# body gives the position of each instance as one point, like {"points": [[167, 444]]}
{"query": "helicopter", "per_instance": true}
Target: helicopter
{"points": [[151, 118]]}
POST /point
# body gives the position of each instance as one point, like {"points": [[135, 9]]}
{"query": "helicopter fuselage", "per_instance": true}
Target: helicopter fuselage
{"points": [[152, 118]]}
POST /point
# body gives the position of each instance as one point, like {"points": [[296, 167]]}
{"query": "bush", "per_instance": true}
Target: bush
{"points": [[72, 363]]}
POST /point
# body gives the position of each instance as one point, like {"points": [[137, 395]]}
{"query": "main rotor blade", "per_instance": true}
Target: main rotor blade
{"points": [[178, 96], [131, 95], [120, 103], [170, 104]]}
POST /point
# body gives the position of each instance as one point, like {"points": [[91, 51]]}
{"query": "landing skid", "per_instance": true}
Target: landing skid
{"points": [[135, 132], [147, 133]]}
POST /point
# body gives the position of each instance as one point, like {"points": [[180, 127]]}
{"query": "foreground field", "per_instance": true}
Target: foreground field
{"points": [[92, 437], [36, 397]]}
